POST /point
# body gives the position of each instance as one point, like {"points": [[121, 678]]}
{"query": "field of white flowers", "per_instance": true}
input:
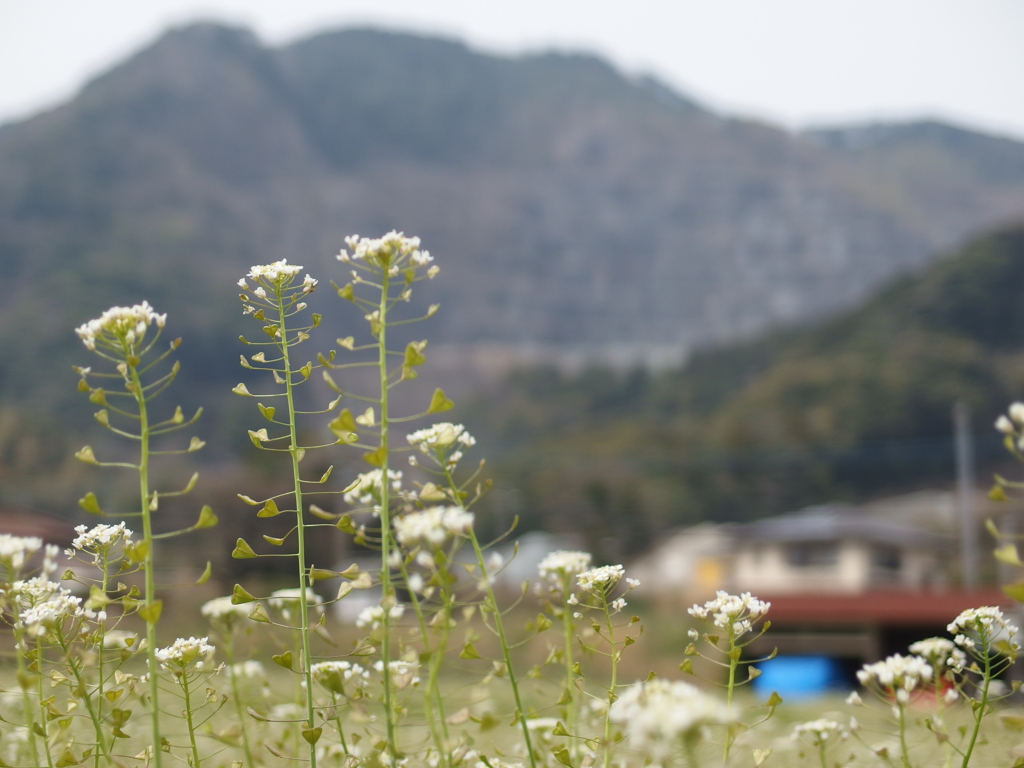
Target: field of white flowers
{"points": [[452, 675]]}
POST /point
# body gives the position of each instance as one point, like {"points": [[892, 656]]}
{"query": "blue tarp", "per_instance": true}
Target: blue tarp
{"points": [[797, 677]]}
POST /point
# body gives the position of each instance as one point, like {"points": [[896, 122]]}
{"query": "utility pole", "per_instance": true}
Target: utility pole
{"points": [[965, 493]]}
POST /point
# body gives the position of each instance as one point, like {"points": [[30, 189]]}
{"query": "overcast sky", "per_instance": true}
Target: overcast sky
{"points": [[795, 62]]}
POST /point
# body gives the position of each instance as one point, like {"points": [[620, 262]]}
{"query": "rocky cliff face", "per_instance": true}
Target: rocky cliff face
{"points": [[569, 206]]}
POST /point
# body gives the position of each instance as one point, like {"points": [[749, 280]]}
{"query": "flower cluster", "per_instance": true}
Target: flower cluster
{"points": [[120, 327], [388, 251], [15, 551], [897, 674], [432, 526], [366, 488], [278, 272], [101, 540], [557, 565], [185, 651], [439, 437], [1013, 424], [734, 613], [221, 610], [373, 616], [659, 712], [50, 614], [335, 675], [601, 581], [976, 629], [940, 653], [820, 730]]}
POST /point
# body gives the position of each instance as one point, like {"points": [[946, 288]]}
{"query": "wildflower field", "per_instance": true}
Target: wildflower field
{"points": [[442, 670]]}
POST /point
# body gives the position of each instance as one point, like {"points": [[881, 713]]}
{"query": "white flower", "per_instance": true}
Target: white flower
{"points": [[308, 284], [432, 526], [16, 550], [51, 614], [373, 616], [221, 609], [618, 605], [896, 673], [29, 592], [655, 714], [820, 730], [333, 675], [366, 488], [278, 272], [854, 699], [940, 653], [260, 292], [388, 251], [983, 627], [561, 563], [120, 327], [101, 539], [736, 613], [600, 581], [1004, 425], [1017, 413], [184, 651], [440, 437]]}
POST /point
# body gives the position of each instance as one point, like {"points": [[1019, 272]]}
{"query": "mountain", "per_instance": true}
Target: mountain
{"points": [[846, 408], [571, 208]]}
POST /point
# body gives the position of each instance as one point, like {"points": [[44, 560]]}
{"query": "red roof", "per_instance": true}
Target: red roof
{"points": [[886, 607]]}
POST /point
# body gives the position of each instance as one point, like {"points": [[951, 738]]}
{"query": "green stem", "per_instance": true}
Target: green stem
{"points": [[305, 661], [100, 649], [229, 651], [940, 709], [904, 752], [821, 754], [979, 714], [97, 724], [500, 629], [26, 699], [730, 687], [691, 753], [569, 632], [499, 626], [432, 699], [387, 597], [188, 719], [148, 564], [42, 710], [611, 689], [337, 721]]}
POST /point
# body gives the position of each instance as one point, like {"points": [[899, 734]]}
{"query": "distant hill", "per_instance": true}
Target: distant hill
{"points": [[846, 408], [571, 207]]}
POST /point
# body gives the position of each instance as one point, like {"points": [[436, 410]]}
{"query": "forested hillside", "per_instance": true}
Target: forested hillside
{"points": [[571, 208], [856, 406]]}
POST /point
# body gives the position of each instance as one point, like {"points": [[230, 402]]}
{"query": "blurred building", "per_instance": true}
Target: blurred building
{"points": [[835, 549], [905, 542], [847, 584]]}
